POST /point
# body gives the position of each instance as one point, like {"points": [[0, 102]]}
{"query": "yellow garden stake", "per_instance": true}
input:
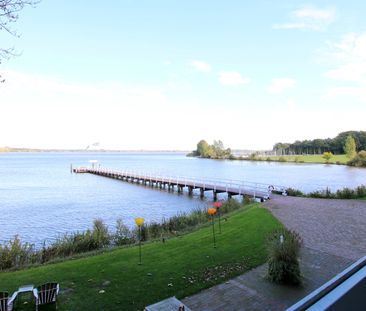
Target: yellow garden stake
{"points": [[139, 222]]}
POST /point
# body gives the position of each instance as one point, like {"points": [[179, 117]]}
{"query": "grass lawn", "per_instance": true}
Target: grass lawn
{"points": [[341, 158], [180, 266]]}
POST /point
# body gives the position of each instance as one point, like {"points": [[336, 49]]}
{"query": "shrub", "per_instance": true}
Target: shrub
{"points": [[268, 159], [16, 254], [361, 191], [122, 235], [100, 234], [294, 192], [345, 193], [322, 194], [246, 199], [283, 252], [359, 160], [327, 156]]}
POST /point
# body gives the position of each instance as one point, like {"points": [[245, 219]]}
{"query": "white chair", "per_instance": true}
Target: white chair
{"points": [[6, 304], [46, 294]]}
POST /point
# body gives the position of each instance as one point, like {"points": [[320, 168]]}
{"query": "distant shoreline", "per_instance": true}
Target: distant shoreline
{"points": [[25, 150]]}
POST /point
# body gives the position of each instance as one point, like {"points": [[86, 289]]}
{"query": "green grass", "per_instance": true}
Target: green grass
{"points": [[341, 158], [181, 266]]}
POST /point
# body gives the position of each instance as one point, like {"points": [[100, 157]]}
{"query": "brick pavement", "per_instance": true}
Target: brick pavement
{"points": [[334, 226], [334, 236]]}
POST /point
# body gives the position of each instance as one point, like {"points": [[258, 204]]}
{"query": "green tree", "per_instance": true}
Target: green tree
{"points": [[203, 149], [327, 156], [350, 147]]}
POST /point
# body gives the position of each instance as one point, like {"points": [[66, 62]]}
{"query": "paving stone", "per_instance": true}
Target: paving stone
{"points": [[334, 234]]}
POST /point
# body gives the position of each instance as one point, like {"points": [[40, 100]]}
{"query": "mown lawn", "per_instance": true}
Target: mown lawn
{"points": [[341, 158], [179, 267]]}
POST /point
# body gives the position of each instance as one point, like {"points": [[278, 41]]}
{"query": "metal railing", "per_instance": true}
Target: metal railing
{"points": [[227, 185]]}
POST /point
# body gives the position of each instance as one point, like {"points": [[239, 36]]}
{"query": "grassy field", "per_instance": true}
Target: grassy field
{"points": [[180, 266], [340, 158]]}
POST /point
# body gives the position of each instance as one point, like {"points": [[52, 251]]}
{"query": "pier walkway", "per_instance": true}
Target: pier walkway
{"points": [[180, 184]]}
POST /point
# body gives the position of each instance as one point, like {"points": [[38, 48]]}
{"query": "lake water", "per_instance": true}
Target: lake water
{"points": [[40, 199]]}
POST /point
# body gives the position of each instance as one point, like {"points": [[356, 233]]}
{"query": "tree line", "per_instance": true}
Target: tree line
{"points": [[319, 146]]}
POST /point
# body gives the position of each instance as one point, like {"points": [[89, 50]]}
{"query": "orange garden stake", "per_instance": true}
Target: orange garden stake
{"points": [[212, 211]]}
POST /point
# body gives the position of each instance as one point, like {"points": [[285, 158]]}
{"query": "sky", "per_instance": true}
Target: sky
{"points": [[162, 75]]}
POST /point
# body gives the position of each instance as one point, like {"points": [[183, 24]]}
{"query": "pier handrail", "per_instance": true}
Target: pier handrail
{"points": [[214, 183]]}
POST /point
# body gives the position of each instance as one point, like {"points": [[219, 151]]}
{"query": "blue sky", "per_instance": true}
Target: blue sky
{"points": [[165, 74]]}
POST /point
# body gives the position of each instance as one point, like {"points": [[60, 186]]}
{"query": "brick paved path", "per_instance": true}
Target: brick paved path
{"points": [[334, 226], [334, 234]]}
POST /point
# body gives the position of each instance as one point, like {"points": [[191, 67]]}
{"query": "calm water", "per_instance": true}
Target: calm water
{"points": [[40, 199]]}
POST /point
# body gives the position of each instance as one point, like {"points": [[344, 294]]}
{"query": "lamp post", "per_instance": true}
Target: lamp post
{"points": [[212, 211], [139, 222], [218, 205]]}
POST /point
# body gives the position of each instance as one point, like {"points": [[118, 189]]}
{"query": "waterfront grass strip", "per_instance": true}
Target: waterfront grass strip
{"points": [[179, 267], [316, 158]]}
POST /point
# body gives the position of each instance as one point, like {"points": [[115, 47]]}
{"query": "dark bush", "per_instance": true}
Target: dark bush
{"points": [[283, 252], [294, 192], [345, 193], [322, 194]]}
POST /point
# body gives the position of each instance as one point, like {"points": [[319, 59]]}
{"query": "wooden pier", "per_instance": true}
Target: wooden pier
{"points": [[184, 184]]}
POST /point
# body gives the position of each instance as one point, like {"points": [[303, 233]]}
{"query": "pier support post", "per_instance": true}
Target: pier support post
{"points": [[229, 195], [202, 193], [190, 190], [215, 195]]}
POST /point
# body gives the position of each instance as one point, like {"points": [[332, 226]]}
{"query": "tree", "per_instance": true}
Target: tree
{"points": [[203, 148], [350, 147], [9, 13], [327, 156]]}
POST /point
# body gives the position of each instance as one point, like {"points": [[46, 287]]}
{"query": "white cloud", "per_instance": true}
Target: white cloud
{"points": [[232, 78], [167, 62], [348, 57], [279, 85], [201, 66], [346, 91], [309, 18]]}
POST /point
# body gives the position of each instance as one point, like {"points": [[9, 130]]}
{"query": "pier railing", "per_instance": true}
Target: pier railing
{"points": [[232, 187]]}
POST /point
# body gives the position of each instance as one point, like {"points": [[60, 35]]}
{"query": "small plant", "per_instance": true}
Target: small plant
{"points": [[327, 156], [283, 252]]}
